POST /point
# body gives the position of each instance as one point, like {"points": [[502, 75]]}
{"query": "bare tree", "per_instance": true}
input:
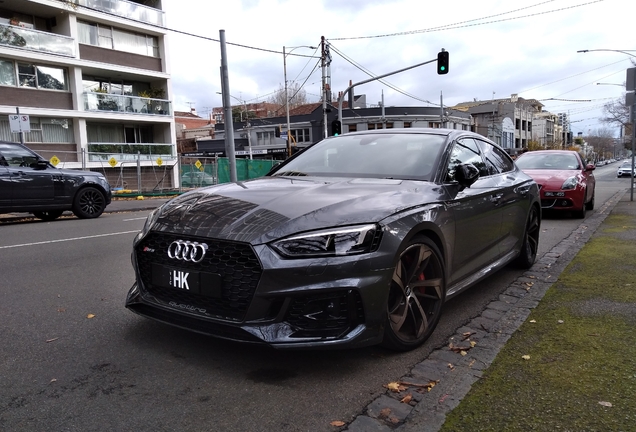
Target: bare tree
{"points": [[617, 113], [603, 142], [297, 96]]}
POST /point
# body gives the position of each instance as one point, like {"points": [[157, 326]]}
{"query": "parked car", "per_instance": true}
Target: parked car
{"points": [[566, 183], [197, 179], [29, 183], [357, 240], [625, 169]]}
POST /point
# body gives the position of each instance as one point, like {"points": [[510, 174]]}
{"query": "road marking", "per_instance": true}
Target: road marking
{"points": [[141, 218], [69, 239]]}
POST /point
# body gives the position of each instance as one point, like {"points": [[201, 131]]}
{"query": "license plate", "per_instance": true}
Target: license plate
{"points": [[207, 284], [557, 194]]}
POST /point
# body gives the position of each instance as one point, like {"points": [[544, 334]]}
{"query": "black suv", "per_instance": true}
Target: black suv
{"points": [[29, 183]]}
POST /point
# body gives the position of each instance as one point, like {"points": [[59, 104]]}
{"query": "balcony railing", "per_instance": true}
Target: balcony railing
{"points": [[124, 152], [128, 104], [35, 40], [127, 9]]}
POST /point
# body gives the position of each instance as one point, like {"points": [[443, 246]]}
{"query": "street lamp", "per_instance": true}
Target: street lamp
{"points": [[626, 52], [247, 123], [289, 151]]}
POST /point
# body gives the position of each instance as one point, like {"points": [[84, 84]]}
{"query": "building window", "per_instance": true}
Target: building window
{"points": [[407, 124], [43, 130], [112, 38], [373, 126], [265, 138], [7, 73], [300, 135], [353, 127], [434, 125], [41, 77]]}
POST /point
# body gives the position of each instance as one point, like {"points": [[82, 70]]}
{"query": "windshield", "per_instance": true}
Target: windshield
{"points": [[398, 156], [554, 161]]}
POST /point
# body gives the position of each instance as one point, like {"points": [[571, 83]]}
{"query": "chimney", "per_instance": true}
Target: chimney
{"points": [[514, 97], [193, 111]]}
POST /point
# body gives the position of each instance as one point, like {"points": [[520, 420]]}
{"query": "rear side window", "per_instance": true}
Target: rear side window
{"points": [[16, 156]]}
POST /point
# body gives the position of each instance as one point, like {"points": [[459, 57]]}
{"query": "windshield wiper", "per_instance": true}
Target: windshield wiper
{"points": [[290, 173]]}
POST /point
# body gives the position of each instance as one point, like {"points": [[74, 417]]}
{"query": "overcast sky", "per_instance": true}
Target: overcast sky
{"points": [[527, 47]]}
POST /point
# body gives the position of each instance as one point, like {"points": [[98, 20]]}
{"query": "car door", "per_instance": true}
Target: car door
{"points": [[476, 212], [5, 185], [31, 184], [515, 199]]}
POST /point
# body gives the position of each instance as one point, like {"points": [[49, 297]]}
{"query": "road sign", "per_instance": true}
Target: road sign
{"points": [[19, 123], [283, 135]]}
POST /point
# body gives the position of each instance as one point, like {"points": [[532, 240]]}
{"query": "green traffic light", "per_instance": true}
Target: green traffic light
{"points": [[442, 68]]}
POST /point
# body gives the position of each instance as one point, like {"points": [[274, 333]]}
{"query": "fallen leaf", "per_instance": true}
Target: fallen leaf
{"points": [[529, 284], [459, 349], [53, 380], [525, 357], [463, 353], [606, 404], [394, 420], [393, 386], [472, 344], [337, 423], [89, 316], [533, 321], [532, 277], [51, 340], [406, 399], [61, 310], [450, 366], [560, 321], [467, 335], [472, 363], [384, 413]]}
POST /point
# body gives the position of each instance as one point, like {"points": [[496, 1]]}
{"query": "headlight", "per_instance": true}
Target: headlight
{"points": [[150, 221], [569, 183], [331, 242]]}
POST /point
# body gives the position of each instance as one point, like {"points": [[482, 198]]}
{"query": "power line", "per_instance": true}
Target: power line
{"points": [[463, 24]]}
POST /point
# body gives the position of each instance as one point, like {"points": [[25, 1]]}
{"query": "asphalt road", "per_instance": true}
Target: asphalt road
{"points": [[72, 358]]}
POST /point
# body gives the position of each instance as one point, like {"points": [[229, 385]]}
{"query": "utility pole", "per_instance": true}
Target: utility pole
{"points": [[227, 109], [323, 64]]}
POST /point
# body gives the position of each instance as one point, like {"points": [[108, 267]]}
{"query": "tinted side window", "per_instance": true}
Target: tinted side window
{"points": [[465, 151], [496, 159], [17, 156]]}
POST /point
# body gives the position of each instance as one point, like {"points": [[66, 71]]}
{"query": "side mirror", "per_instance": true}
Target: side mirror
{"points": [[40, 165], [466, 174]]}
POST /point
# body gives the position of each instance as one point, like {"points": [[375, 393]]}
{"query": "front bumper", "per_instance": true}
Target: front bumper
{"points": [[562, 199], [308, 303]]}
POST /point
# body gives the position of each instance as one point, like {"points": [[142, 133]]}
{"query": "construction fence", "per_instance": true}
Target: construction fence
{"points": [[155, 174]]}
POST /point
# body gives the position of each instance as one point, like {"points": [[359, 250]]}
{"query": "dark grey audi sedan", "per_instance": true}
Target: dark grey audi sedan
{"points": [[357, 240], [29, 183]]}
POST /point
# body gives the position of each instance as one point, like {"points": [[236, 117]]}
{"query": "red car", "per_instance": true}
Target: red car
{"points": [[565, 181]]}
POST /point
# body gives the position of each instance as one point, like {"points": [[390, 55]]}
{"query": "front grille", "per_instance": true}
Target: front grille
{"points": [[236, 263], [327, 315]]}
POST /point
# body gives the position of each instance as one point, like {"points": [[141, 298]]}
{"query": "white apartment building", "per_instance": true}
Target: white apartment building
{"points": [[93, 76]]}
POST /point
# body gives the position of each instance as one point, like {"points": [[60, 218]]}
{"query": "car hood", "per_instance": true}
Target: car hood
{"points": [[551, 178], [265, 209]]}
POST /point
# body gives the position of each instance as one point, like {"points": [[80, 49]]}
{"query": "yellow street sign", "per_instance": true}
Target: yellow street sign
{"points": [[54, 160], [112, 162], [159, 161], [198, 164]]}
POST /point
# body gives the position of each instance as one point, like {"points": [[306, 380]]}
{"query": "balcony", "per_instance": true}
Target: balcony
{"points": [[127, 9], [35, 40], [128, 154], [94, 101]]}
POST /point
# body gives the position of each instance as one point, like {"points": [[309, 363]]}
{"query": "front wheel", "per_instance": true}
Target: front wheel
{"points": [[89, 203], [530, 245], [580, 214], [416, 295]]}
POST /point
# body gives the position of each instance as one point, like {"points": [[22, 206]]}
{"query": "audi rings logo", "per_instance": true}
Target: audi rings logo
{"points": [[187, 251]]}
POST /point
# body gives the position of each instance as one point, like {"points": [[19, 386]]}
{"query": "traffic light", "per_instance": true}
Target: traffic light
{"points": [[442, 62], [336, 128], [277, 131]]}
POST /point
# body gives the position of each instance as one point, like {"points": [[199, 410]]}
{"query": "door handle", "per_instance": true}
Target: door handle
{"points": [[496, 198]]}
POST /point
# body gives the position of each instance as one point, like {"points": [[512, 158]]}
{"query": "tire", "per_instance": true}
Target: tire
{"points": [[416, 295], [580, 214], [89, 203], [48, 215], [590, 205], [530, 245]]}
